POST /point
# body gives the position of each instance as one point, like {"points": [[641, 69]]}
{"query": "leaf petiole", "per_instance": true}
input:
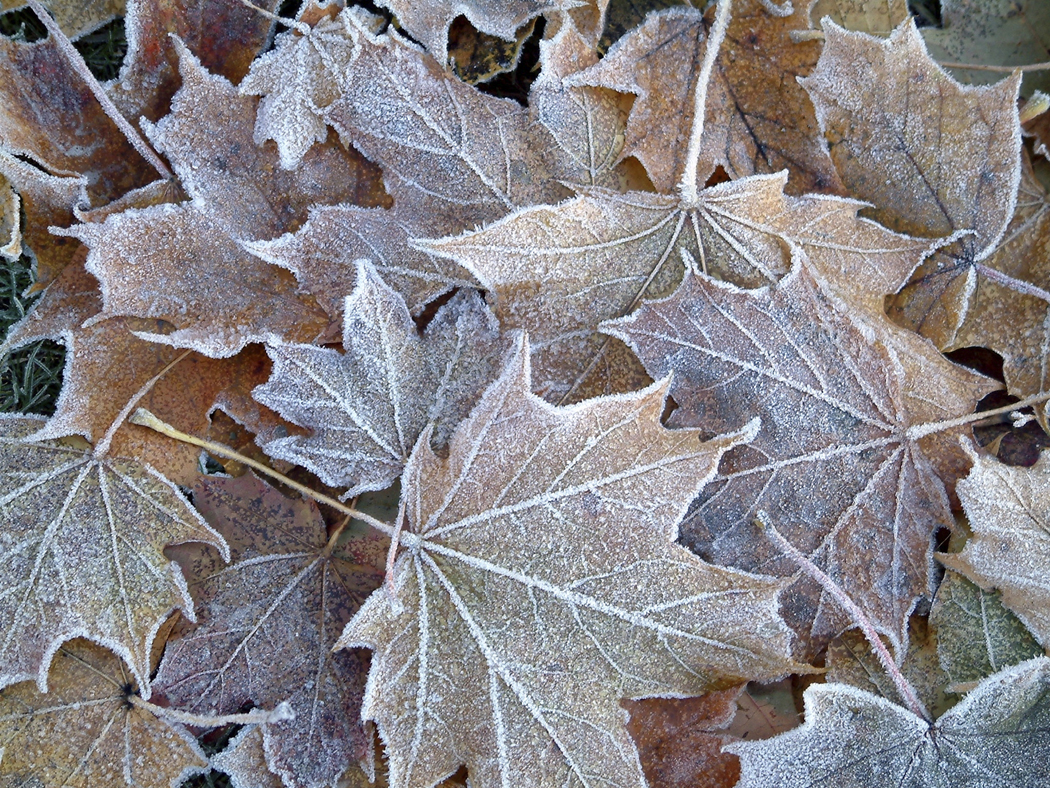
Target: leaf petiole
{"points": [[282, 712], [144, 418]]}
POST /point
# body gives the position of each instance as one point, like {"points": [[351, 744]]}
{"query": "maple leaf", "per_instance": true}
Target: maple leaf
{"points": [[226, 297], [838, 399], [244, 761], [1010, 548], [82, 546], [368, 405], [86, 729], [977, 635], [997, 736], [541, 584], [266, 625], [954, 153]]}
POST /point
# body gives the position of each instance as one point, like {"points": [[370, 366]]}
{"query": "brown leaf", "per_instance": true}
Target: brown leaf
{"points": [[535, 593], [267, 623], [879, 17], [757, 118], [244, 761], [75, 17], [838, 400], [193, 273], [82, 545], [558, 271], [10, 220], [676, 743], [1010, 549], [85, 731], [368, 405], [932, 156]]}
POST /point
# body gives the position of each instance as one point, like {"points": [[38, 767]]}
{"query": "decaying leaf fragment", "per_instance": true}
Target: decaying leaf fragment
{"points": [[1008, 508], [86, 731], [999, 735], [838, 399], [932, 156], [539, 584], [368, 405], [267, 623], [82, 544]]}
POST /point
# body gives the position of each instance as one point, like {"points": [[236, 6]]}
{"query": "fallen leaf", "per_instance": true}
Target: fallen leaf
{"points": [[82, 543], [879, 17], [838, 399], [10, 220], [1007, 509], [368, 405], [86, 730], [244, 761], [764, 710], [976, 635], [267, 623], [996, 736], [476, 57], [75, 17], [932, 157], [535, 593], [677, 740]]}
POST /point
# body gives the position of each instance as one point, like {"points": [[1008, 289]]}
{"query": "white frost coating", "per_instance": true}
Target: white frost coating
{"points": [[532, 566], [998, 736]]}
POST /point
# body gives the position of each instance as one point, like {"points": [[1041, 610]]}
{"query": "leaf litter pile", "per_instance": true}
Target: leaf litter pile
{"points": [[635, 396]]}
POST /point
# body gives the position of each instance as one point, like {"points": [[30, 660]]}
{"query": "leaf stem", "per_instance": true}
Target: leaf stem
{"points": [[860, 618], [144, 418], [1013, 283], [296, 25], [137, 141], [922, 430], [281, 713], [997, 69], [687, 185]]}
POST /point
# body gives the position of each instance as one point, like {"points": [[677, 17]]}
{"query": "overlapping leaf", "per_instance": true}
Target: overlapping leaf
{"points": [[368, 405], [82, 546], [540, 584], [86, 731], [997, 736], [838, 400], [267, 623], [932, 156]]}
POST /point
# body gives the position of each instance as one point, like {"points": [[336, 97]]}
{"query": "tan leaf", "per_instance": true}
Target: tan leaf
{"points": [[368, 405], [535, 592], [82, 542], [757, 120], [75, 17], [476, 57], [267, 623], [1010, 549], [879, 17], [932, 156], [193, 272], [244, 761], [677, 740], [595, 257], [86, 730], [842, 400]]}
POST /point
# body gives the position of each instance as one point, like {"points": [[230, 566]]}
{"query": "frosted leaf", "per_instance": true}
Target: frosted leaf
{"points": [[1008, 508], [837, 400], [997, 737], [10, 219], [977, 636], [86, 732], [879, 17], [266, 625], [244, 761], [75, 17], [324, 252], [82, 545], [559, 271], [367, 405], [540, 584], [932, 156]]}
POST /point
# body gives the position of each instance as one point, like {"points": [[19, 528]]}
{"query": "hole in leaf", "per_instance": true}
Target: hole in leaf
{"points": [[1011, 444], [979, 359], [22, 25], [717, 177], [515, 84], [104, 50], [633, 176]]}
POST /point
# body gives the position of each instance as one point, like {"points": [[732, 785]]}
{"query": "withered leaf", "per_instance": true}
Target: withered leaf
{"points": [[244, 761], [1007, 508], [75, 17], [192, 272], [82, 544], [853, 402], [997, 736], [86, 732], [267, 624], [932, 156], [879, 17], [757, 118], [558, 271], [537, 590], [10, 220], [368, 405], [977, 636]]}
